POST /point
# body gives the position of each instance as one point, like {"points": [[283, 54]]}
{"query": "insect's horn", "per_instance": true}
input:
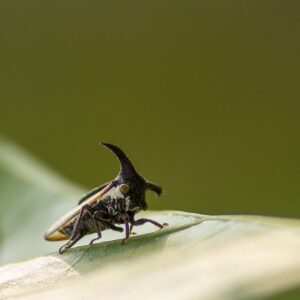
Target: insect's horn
{"points": [[127, 168]]}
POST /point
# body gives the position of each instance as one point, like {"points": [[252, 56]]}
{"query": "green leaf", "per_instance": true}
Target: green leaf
{"points": [[195, 257]]}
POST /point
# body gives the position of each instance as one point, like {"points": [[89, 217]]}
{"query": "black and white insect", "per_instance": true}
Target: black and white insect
{"points": [[115, 202]]}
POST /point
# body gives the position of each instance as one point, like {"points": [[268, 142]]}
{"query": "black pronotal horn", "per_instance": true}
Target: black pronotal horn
{"points": [[127, 168]]}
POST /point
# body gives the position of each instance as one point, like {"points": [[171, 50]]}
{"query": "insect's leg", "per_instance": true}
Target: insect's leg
{"points": [[130, 230], [127, 230], [116, 228], [98, 230], [144, 220], [77, 233], [99, 217], [131, 221], [77, 228], [70, 243]]}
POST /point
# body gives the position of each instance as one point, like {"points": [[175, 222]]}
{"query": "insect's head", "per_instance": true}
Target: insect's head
{"points": [[129, 176]]}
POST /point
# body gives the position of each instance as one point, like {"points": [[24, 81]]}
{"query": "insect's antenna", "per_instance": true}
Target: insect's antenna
{"points": [[127, 168]]}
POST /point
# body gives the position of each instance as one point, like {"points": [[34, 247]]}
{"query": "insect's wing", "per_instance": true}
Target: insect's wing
{"points": [[93, 192], [55, 232]]}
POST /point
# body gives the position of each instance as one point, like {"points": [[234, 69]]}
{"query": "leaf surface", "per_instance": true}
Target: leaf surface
{"points": [[195, 257]]}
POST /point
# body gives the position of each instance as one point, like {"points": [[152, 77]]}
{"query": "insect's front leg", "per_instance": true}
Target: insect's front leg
{"points": [[142, 221], [127, 229], [131, 221], [130, 230]]}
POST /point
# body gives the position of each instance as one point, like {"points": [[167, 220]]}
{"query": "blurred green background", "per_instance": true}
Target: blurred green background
{"points": [[202, 95]]}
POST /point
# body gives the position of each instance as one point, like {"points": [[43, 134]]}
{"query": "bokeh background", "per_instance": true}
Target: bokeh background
{"points": [[202, 95]]}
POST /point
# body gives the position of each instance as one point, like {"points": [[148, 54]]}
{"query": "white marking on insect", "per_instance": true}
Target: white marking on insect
{"points": [[115, 193], [127, 203]]}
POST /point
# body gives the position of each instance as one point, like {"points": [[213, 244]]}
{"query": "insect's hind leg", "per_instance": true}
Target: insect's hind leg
{"points": [[71, 243], [78, 231]]}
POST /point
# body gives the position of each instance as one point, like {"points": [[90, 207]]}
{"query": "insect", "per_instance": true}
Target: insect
{"points": [[115, 202]]}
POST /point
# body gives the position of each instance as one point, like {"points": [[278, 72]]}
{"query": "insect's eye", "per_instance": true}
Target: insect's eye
{"points": [[124, 188]]}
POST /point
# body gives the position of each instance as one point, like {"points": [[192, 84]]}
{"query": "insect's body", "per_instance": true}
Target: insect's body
{"points": [[107, 206], [109, 211]]}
